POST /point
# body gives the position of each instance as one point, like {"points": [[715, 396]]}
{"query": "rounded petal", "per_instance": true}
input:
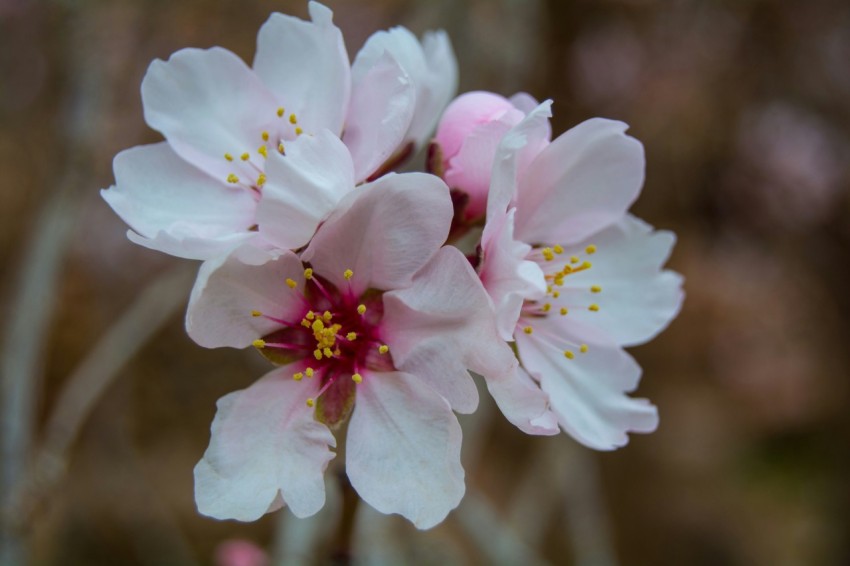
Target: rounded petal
{"points": [[588, 392], [230, 288], [384, 231], [524, 404], [442, 324], [382, 105], [306, 65], [174, 207], [464, 115], [582, 182], [509, 278], [403, 449], [636, 299], [302, 188], [265, 445], [208, 103]]}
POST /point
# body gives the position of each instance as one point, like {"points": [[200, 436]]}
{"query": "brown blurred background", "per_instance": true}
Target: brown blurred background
{"points": [[742, 106]]}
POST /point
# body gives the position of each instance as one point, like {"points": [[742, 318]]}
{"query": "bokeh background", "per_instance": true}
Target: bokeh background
{"points": [[742, 106]]}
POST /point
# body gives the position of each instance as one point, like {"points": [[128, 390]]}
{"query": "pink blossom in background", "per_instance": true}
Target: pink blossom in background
{"points": [[238, 552], [196, 195], [374, 322]]}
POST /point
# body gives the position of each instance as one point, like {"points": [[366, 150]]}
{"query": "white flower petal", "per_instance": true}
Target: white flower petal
{"points": [[582, 182], [229, 288], [265, 445], [588, 392], [403, 449], [303, 187], [208, 103], [306, 65]]}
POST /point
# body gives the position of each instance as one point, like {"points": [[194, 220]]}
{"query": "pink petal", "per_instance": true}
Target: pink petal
{"points": [[382, 105], [265, 445], [384, 231], [588, 392], [229, 288], [403, 449], [637, 299], [509, 278], [441, 85], [208, 103], [303, 187], [306, 65], [582, 182], [175, 207], [464, 115]]}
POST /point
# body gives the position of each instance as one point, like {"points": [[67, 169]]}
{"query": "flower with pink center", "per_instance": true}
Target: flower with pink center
{"points": [[466, 140], [573, 278], [198, 194], [374, 325]]}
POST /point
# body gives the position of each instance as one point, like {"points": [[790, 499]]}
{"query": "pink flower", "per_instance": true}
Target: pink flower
{"points": [[374, 324], [467, 137], [227, 125], [573, 278]]}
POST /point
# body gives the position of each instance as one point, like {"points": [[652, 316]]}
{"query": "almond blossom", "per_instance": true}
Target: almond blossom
{"points": [[201, 192], [374, 325], [573, 278]]}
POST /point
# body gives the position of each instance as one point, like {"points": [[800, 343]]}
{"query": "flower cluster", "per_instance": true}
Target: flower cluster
{"points": [[348, 278]]}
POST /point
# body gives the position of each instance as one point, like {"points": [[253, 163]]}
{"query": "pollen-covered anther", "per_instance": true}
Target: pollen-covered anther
{"points": [[351, 336], [558, 249], [291, 283], [264, 151], [228, 157], [280, 112], [569, 354], [298, 131], [583, 348], [245, 156], [232, 178], [361, 309], [311, 402], [556, 294], [348, 274], [298, 376], [594, 307], [574, 259], [261, 180], [357, 378], [255, 314], [293, 119], [383, 349], [546, 307], [528, 330], [317, 354], [591, 249], [548, 254], [259, 344], [564, 311], [280, 148], [309, 372], [595, 289], [308, 273], [265, 136]]}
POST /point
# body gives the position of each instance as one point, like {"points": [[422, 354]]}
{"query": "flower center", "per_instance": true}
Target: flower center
{"points": [[249, 169], [560, 297], [336, 337]]}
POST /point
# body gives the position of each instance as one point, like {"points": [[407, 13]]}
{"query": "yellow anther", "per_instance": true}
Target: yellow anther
{"points": [[291, 283], [595, 289], [265, 136], [594, 307], [318, 325], [357, 378], [559, 279], [232, 179], [293, 119], [310, 401], [556, 294], [383, 349], [310, 315], [351, 336], [298, 131], [308, 273], [337, 352], [261, 180], [528, 330], [263, 150], [309, 372], [348, 274], [228, 157], [558, 249], [548, 288], [547, 307], [547, 253], [574, 259], [256, 313], [586, 265], [328, 353], [298, 376], [280, 112], [564, 311], [245, 156], [305, 323], [567, 270], [328, 316], [280, 147], [259, 344], [583, 348], [569, 355], [361, 309], [591, 249], [317, 354]]}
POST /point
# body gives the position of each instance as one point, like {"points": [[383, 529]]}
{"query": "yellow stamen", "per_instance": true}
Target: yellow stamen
{"points": [[351, 336], [308, 273], [594, 307], [547, 307], [327, 316], [547, 253], [291, 283], [280, 112], [383, 349], [309, 372], [361, 309], [298, 131], [591, 249], [298, 376], [574, 259], [564, 311], [280, 147], [255, 314], [558, 249], [261, 180], [348, 274], [357, 378], [263, 150], [245, 156], [528, 330], [317, 354], [310, 401], [228, 157], [569, 355], [583, 348], [595, 289], [293, 119], [232, 179], [265, 136], [259, 344], [556, 294], [328, 353], [310, 315]]}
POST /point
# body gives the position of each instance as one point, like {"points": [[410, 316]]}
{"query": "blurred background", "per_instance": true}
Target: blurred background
{"points": [[742, 106]]}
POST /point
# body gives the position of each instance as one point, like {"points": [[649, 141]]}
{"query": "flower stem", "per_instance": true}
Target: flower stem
{"points": [[342, 554]]}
